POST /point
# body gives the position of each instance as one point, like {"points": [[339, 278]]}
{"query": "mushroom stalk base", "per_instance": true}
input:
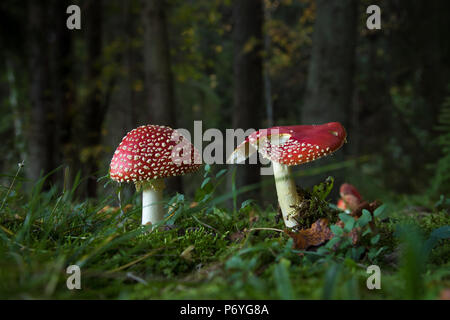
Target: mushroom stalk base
{"points": [[152, 203], [286, 192]]}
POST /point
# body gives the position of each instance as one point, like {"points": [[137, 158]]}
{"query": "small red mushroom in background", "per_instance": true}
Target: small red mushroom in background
{"points": [[146, 156], [289, 146], [350, 197]]}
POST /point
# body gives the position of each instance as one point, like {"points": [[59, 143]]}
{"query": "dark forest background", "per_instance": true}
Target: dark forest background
{"points": [[67, 97]]}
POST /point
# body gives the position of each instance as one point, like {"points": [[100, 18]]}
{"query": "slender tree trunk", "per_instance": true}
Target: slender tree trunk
{"points": [[330, 79], [131, 59], [14, 103], [158, 75], [95, 108], [329, 87], [63, 87], [267, 80], [40, 137], [248, 104]]}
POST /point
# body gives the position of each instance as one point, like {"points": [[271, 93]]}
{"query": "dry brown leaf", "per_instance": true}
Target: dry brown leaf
{"points": [[237, 236], [193, 204], [314, 236], [109, 209]]}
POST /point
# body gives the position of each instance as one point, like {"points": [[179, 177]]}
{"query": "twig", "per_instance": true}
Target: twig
{"points": [[136, 278], [270, 229], [136, 261], [206, 225]]}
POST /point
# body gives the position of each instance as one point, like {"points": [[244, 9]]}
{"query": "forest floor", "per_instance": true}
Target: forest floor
{"points": [[206, 252]]}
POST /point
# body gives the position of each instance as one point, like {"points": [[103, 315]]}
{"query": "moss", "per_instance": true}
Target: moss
{"points": [[313, 205], [195, 257]]}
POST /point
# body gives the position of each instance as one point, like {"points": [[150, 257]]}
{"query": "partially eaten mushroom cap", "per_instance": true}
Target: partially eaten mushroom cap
{"points": [[288, 146], [146, 156], [350, 197]]}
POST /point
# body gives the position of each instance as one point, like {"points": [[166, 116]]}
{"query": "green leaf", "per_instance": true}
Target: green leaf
{"points": [[349, 221], [357, 252], [436, 235], [375, 239], [346, 242], [345, 217], [205, 182], [373, 253], [323, 189], [235, 262], [246, 203], [365, 218], [282, 280], [331, 278], [221, 173], [336, 230], [330, 244], [349, 225], [207, 170], [380, 212]]}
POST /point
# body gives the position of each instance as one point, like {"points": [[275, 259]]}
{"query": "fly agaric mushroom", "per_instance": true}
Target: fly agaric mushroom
{"points": [[146, 156], [289, 146]]}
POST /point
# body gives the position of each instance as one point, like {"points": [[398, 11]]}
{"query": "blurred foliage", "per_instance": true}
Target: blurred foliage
{"points": [[400, 125], [401, 74], [441, 179], [206, 252]]}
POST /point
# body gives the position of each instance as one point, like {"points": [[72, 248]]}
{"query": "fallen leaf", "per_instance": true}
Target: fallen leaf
{"points": [[237, 236], [314, 236], [110, 210], [193, 204]]}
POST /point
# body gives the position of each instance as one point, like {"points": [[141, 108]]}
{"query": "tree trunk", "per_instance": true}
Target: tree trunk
{"points": [[40, 138], [158, 75], [95, 109], [248, 84], [329, 86], [267, 81], [63, 88]]}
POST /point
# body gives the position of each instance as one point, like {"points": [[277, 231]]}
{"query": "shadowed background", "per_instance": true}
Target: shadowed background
{"points": [[69, 96]]}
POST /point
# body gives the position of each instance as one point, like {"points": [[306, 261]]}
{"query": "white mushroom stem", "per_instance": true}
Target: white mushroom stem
{"points": [[286, 192], [152, 202]]}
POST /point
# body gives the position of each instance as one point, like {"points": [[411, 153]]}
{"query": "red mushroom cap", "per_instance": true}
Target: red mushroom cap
{"points": [[147, 153], [292, 145], [348, 189], [350, 197]]}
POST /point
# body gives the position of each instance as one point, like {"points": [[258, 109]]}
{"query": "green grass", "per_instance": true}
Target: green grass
{"points": [[205, 251]]}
